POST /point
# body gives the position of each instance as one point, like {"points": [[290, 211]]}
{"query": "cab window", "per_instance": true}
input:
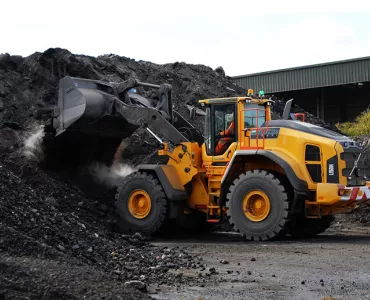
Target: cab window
{"points": [[220, 128], [253, 117]]}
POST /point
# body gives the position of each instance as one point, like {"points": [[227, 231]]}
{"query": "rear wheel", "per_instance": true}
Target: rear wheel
{"points": [[141, 204], [258, 206], [303, 227]]}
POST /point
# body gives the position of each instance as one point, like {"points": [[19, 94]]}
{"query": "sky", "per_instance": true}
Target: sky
{"points": [[242, 36]]}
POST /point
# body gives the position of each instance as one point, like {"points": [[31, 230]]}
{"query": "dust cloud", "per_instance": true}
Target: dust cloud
{"points": [[110, 176], [33, 143]]}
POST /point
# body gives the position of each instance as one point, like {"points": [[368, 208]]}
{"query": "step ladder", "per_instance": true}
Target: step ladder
{"points": [[214, 210]]}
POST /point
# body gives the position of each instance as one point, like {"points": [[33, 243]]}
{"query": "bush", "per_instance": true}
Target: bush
{"points": [[361, 125]]}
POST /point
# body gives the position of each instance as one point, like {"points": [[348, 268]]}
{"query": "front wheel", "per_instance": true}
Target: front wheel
{"points": [[141, 204], [258, 206]]}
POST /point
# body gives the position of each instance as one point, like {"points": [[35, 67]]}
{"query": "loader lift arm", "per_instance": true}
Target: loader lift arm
{"points": [[151, 118], [110, 110]]}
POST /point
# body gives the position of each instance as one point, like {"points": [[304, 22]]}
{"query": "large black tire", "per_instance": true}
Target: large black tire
{"points": [[148, 225], [302, 227], [275, 223]]}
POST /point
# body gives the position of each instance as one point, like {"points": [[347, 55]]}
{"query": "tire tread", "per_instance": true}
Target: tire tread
{"points": [[282, 227], [160, 199]]}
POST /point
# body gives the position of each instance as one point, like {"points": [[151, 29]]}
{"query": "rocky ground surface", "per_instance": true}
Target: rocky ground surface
{"points": [[333, 265], [57, 227]]}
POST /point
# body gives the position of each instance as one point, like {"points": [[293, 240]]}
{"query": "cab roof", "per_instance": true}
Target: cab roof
{"points": [[234, 100]]}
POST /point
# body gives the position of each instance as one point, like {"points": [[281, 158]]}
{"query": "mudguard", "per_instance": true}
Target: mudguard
{"points": [[169, 179], [297, 184]]}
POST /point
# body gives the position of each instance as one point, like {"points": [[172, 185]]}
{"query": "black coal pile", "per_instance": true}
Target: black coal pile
{"points": [[362, 214], [30, 84], [278, 109], [49, 223]]}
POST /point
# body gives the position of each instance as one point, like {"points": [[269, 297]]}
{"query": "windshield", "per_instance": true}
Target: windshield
{"points": [[223, 119], [251, 118]]}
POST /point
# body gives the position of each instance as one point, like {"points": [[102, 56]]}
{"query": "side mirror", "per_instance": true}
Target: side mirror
{"points": [[287, 108]]}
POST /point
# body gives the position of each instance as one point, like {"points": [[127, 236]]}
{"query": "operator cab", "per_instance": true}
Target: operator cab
{"points": [[233, 121]]}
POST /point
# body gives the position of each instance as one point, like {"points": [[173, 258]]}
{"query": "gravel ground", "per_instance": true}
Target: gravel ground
{"points": [[334, 265]]}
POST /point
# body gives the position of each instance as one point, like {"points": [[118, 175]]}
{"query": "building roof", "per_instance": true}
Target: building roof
{"points": [[253, 100], [311, 76]]}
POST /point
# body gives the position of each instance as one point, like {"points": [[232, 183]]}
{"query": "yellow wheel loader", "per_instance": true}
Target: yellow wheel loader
{"points": [[266, 177]]}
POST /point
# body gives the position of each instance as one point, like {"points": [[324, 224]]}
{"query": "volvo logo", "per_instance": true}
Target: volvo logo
{"points": [[331, 169]]}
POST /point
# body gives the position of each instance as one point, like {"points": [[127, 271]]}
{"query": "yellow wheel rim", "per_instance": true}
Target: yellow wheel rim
{"points": [[139, 204], [256, 205]]}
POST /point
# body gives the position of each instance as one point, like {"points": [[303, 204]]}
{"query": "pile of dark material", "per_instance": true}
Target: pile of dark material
{"points": [[27, 84], [57, 239], [278, 108], [53, 225], [362, 214], [31, 83]]}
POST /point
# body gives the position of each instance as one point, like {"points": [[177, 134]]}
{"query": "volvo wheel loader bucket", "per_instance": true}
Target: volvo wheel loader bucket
{"points": [[88, 106]]}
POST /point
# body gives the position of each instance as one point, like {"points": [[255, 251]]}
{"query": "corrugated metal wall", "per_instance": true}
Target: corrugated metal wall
{"points": [[323, 75]]}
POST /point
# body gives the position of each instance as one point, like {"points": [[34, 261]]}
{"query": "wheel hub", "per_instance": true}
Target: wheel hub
{"points": [[139, 204], [256, 205]]}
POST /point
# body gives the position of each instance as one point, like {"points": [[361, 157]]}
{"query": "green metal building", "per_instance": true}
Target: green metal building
{"points": [[334, 91]]}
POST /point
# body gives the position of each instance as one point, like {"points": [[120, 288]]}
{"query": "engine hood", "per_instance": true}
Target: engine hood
{"points": [[310, 128]]}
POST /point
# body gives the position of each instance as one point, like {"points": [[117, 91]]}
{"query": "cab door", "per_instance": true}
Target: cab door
{"points": [[252, 117], [221, 134]]}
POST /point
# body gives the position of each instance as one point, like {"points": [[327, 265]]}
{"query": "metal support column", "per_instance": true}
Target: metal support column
{"points": [[318, 107], [322, 105]]}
